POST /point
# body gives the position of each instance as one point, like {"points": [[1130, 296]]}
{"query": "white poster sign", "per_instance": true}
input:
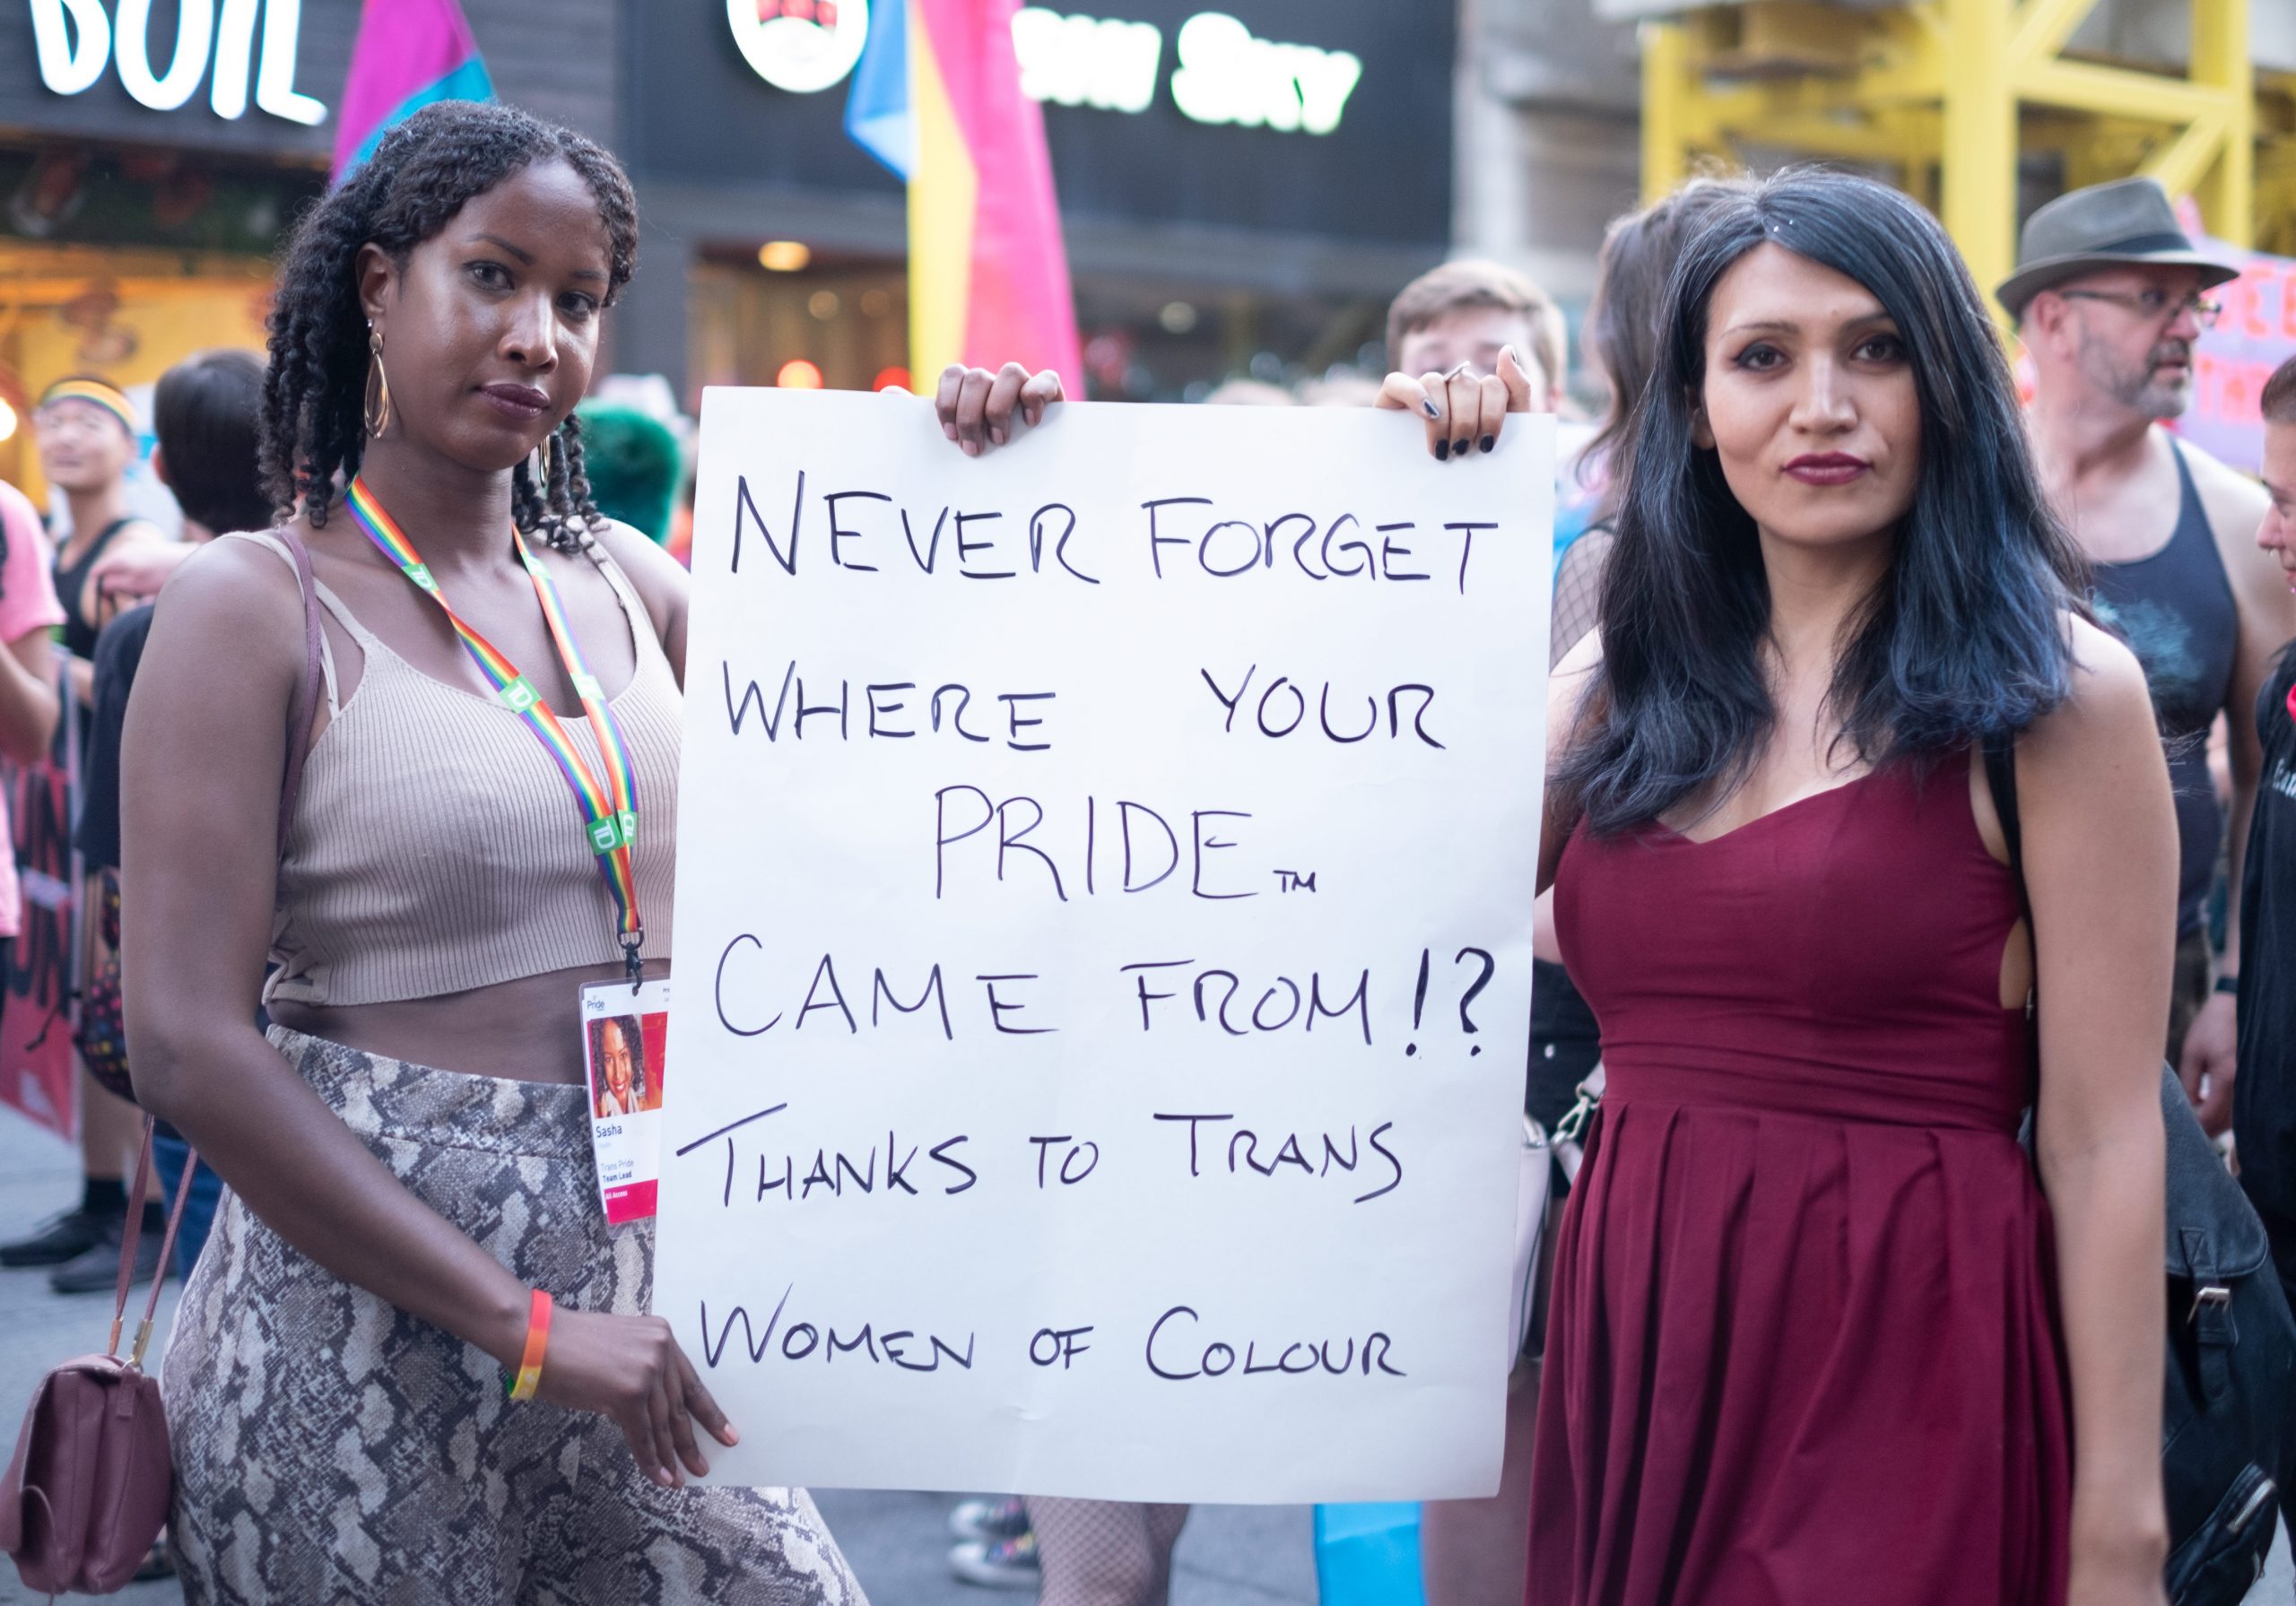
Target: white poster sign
{"points": [[1103, 936]]}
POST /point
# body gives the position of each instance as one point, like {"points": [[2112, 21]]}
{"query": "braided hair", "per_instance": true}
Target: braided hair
{"points": [[422, 174]]}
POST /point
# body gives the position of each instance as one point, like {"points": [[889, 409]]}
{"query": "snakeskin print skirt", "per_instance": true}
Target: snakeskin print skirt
{"points": [[329, 1447]]}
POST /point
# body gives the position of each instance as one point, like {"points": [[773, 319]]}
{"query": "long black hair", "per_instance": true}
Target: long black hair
{"points": [[422, 174], [205, 415], [1623, 329], [1963, 638]]}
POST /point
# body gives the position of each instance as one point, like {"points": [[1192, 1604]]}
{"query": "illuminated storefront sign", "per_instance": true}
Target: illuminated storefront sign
{"points": [[1083, 61], [73, 40], [1223, 73], [801, 45], [1226, 76], [1196, 114]]}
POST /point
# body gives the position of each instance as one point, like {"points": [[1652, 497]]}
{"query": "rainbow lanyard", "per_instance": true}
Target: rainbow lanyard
{"points": [[609, 812]]}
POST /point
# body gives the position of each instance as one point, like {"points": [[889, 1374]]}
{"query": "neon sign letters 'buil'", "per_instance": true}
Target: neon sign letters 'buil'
{"points": [[74, 40]]}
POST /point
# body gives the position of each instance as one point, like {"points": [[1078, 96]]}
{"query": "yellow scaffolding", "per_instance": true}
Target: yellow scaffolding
{"points": [[1945, 95]]}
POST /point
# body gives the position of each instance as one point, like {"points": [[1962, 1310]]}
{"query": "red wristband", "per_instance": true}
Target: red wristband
{"points": [[529, 1378]]}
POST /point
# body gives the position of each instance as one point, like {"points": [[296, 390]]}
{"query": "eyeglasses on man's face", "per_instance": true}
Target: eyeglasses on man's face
{"points": [[2155, 306]]}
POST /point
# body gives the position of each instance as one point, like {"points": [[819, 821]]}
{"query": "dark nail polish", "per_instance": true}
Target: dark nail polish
{"points": [[1459, 449], [1489, 443], [1432, 410], [1442, 451]]}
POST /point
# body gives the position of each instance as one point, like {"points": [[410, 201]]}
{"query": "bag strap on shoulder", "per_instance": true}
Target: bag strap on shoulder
{"points": [[134, 1234], [304, 710]]}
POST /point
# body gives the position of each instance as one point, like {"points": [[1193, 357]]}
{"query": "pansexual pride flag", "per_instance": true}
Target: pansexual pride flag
{"points": [[936, 98], [409, 54]]}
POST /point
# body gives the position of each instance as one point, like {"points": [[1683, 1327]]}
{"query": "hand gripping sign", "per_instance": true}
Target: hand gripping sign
{"points": [[1103, 929]]}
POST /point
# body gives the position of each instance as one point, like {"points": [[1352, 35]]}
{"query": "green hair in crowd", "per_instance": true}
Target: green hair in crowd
{"points": [[634, 464]]}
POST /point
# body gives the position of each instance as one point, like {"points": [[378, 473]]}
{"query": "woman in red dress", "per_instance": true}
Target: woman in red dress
{"points": [[1822, 1331]]}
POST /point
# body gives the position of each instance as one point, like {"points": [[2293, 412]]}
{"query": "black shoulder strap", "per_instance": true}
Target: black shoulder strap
{"points": [[2001, 779]]}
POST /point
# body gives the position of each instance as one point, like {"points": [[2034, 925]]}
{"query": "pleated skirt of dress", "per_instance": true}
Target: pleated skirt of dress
{"points": [[1799, 1362]]}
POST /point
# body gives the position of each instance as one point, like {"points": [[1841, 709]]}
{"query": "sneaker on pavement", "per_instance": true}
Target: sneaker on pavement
{"points": [[989, 1519], [998, 1564], [97, 1270], [63, 1237]]}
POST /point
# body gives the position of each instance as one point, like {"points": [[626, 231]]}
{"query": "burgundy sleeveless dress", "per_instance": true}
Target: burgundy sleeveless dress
{"points": [[1804, 1346]]}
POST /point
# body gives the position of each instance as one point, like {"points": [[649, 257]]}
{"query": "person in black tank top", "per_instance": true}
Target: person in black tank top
{"points": [[80, 630], [82, 627], [2175, 610], [2110, 297], [2264, 1096]]}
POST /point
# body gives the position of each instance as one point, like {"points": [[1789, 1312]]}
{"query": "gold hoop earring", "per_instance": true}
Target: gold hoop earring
{"points": [[378, 408], [539, 470]]}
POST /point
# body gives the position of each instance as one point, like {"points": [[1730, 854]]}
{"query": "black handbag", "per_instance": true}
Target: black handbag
{"points": [[2231, 1343]]}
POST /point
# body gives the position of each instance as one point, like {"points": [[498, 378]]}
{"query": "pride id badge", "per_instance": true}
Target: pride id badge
{"points": [[624, 1042]]}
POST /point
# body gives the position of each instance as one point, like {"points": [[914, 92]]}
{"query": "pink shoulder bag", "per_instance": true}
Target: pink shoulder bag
{"points": [[88, 1490]]}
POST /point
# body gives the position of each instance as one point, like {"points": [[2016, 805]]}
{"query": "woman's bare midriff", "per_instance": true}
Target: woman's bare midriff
{"points": [[522, 1030]]}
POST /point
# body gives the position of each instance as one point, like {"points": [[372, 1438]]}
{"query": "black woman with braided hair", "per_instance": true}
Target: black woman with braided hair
{"points": [[407, 1243]]}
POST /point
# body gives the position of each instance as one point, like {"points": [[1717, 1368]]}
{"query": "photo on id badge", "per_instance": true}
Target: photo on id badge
{"points": [[625, 1041]]}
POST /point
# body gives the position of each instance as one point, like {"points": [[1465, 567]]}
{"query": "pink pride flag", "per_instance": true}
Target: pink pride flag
{"points": [[409, 53], [988, 270]]}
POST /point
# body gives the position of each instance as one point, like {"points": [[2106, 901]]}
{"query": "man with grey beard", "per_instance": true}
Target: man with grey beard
{"points": [[2110, 296]]}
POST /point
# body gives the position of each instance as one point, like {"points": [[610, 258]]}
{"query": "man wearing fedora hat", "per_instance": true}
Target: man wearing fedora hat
{"points": [[2110, 296]]}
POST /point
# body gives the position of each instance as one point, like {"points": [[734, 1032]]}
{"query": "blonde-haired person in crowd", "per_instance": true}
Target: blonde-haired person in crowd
{"points": [[1489, 326], [1470, 312]]}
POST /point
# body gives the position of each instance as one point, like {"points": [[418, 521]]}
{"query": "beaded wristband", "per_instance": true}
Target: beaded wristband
{"points": [[529, 1378]]}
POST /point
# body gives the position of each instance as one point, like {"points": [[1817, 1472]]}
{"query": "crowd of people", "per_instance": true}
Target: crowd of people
{"points": [[1922, 773]]}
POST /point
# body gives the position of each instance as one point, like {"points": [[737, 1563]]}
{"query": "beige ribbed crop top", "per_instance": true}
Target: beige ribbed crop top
{"points": [[435, 846]]}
